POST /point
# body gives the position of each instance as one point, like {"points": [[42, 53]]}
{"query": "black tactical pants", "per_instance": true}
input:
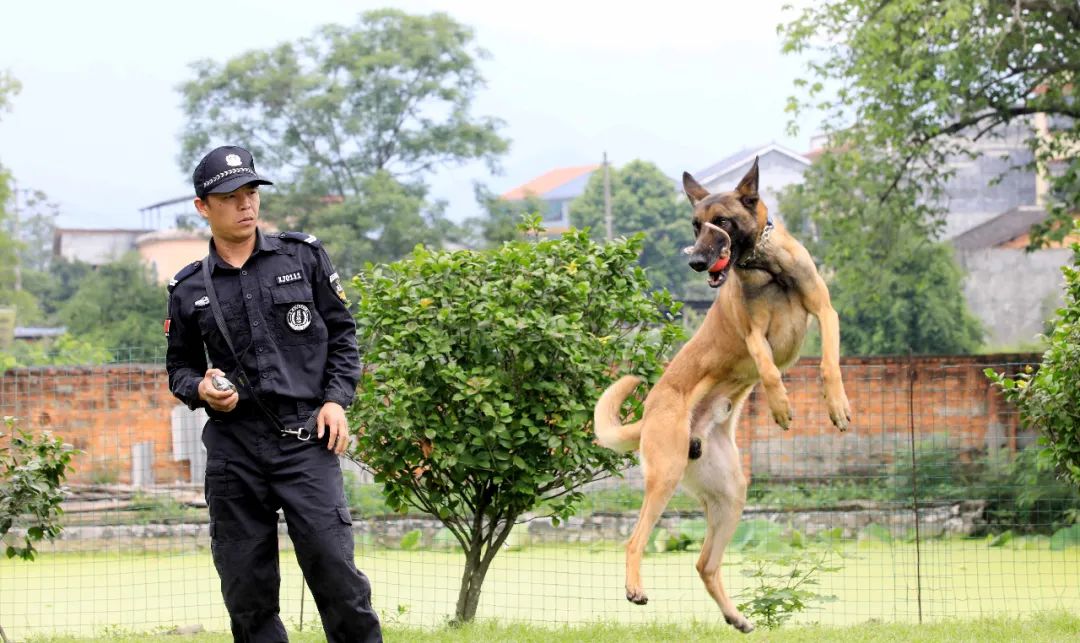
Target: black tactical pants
{"points": [[251, 472]]}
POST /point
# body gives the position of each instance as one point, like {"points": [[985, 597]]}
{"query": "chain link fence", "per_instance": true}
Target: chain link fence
{"points": [[932, 506]]}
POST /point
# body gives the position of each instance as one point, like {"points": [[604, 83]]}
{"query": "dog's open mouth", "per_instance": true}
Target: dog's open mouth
{"points": [[718, 271]]}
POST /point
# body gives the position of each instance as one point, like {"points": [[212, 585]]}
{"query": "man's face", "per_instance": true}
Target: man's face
{"points": [[232, 216]]}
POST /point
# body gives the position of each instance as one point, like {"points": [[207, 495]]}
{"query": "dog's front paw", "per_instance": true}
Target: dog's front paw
{"points": [[781, 412], [636, 596], [840, 411]]}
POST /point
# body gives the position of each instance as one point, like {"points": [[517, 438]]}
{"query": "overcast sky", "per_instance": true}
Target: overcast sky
{"points": [[681, 84]]}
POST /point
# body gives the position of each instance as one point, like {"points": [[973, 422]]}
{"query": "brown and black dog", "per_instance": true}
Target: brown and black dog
{"points": [[769, 286]]}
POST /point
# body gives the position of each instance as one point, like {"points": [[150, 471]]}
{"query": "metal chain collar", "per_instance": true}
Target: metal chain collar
{"points": [[762, 241]]}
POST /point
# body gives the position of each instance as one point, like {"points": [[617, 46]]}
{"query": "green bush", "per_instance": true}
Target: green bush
{"points": [[484, 368], [1026, 494], [1049, 398]]}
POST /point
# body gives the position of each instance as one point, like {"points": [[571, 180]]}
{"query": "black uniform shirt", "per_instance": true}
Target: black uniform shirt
{"points": [[286, 316]]}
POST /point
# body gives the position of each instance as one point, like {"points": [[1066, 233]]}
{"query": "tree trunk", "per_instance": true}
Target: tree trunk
{"points": [[472, 581], [477, 561]]}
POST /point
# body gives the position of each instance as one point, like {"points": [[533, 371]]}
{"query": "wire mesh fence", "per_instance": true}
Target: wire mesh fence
{"points": [[932, 506]]}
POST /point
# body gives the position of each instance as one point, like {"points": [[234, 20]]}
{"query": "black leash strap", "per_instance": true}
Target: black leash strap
{"points": [[302, 433]]}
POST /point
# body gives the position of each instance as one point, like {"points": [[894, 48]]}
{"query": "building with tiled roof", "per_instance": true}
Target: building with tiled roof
{"points": [[556, 189]]}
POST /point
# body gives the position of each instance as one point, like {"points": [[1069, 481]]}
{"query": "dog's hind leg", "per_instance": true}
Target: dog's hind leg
{"points": [[663, 450], [719, 482]]}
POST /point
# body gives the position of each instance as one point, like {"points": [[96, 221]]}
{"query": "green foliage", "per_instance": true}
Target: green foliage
{"points": [[925, 80], [411, 540], [393, 93], [32, 473], [484, 369], [64, 350], [812, 494], [1065, 538], [1026, 494], [56, 284], [382, 222], [119, 305], [350, 121], [9, 88], [1049, 398], [784, 570], [895, 290], [938, 473], [643, 200], [499, 222], [784, 586]]}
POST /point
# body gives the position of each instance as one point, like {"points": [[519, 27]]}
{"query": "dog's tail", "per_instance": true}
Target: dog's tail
{"points": [[609, 432]]}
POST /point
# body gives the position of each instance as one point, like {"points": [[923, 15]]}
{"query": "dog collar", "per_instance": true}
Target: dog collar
{"points": [[763, 240]]}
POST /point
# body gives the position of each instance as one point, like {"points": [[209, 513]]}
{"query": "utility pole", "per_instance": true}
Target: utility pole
{"points": [[607, 199], [15, 233]]}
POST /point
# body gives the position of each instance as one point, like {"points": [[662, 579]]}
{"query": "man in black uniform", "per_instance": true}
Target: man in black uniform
{"points": [[294, 347]]}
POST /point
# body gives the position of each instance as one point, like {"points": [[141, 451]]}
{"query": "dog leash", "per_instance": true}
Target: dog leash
{"points": [[302, 433]]}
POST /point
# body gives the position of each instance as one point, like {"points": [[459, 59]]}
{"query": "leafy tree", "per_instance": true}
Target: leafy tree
{"points": [[1049, 398], [926, 80], [54, 286], [643, 199], [485, 364], [351, 120], [11, 248], [119, 306], [896, 290], [382, 223]]}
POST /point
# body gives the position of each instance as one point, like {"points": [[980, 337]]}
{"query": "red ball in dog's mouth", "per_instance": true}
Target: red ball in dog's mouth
{"points": [[720, 264], [718, 272]]}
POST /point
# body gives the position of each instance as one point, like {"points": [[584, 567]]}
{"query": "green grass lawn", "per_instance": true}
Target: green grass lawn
{"points": [[1052, 627], [109, 593]]}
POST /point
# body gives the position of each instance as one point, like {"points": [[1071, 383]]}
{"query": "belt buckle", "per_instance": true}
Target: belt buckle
{"points": [[302, 433]]}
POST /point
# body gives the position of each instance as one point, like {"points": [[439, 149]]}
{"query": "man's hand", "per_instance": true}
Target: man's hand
{"points": [[222, 401], [332, 418]]}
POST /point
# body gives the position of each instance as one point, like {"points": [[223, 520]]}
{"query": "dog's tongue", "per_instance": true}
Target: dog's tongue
{"points": [[720, 264]]}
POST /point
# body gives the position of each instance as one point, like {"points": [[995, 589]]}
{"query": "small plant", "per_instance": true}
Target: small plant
{"points": [[784, 584], [32, 473]]}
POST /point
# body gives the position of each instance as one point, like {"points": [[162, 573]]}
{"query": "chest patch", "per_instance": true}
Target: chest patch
{"points": [[202, 302], [289, 278], [298, 317]]}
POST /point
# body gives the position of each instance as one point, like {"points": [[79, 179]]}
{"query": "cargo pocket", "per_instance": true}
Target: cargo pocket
{"points": [[220, 481], [296, 320], [346, 539]]}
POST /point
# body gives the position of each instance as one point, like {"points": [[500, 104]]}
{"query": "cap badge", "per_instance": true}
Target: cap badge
{"points": [[233, 160]]}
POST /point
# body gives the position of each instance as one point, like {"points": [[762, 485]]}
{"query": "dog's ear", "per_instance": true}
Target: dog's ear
{"points": [[748, 187], [693, 189]]}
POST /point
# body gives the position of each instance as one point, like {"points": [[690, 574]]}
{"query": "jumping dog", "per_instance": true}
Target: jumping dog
{"points": [[768, 286]]}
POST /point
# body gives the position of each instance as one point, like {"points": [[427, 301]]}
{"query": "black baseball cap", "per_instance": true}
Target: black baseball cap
{"points": [[225, 169]]}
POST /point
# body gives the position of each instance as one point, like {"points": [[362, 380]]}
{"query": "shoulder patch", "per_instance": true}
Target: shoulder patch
{"points": [[302, 237], [184, 273]]}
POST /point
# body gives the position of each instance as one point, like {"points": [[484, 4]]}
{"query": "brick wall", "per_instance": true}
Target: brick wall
{"points": [[944, 400], [105, 411]]}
